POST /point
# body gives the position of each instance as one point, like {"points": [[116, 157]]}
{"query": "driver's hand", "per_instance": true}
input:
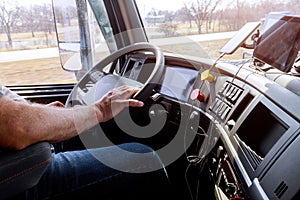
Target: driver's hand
{"points": [[115, 101], [56, 104]]}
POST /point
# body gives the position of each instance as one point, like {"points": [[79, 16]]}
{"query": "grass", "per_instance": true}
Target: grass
{"points": [[34, 72], [49, 70], [208, 49]]}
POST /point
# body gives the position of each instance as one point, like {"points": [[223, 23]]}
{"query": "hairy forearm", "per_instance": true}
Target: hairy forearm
{"points": [[24, 124], [39, 123]]}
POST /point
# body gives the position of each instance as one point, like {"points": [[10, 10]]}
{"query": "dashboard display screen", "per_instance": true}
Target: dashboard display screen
{"points": [[279, 45], [178, 82]]}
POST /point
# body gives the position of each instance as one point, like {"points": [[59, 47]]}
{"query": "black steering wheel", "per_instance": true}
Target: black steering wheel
{"points": [[114, 80]]}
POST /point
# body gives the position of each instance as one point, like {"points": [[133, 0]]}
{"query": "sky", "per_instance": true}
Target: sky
{"points": [[166, 4], [176, 4], [163, 4], [144, 5]]}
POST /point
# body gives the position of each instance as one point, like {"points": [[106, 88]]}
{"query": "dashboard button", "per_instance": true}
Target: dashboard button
{"points": [[197, 95]]}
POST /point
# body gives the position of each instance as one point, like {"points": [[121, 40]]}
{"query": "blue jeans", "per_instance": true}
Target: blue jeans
{"points": [[79, 175]]}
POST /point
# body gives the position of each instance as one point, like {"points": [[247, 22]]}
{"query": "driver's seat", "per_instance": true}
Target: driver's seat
{"points": [[21, 170]]}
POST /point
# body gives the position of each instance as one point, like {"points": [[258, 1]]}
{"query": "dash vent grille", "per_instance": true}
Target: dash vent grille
{"points": [[281, 189], [225, 100]]}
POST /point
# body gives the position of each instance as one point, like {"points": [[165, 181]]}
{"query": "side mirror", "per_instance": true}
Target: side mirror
{"points": [[73, 24]]}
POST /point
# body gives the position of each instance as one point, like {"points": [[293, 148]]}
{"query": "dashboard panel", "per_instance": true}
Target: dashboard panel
{"points": [[248, 124], [258, 134], [251, 125], [178, 82]]}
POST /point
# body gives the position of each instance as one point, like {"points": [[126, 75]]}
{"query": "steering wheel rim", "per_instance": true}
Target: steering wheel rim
{"points": [[148, 86]]}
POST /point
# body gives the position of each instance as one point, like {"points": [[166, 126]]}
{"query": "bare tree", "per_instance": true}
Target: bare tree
{"points": [[169, 15], [31, 19], [185, 14], [64, 16], [9, 16], [168, 29], [201, 11], [46, 18]]}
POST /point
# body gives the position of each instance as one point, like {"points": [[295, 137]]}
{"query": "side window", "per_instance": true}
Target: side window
{"points": [[28, 45], [80, 40]]}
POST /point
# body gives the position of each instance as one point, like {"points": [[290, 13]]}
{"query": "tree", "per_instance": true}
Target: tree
{"points": [[168, 29], [9, 16], [46, 18], [31, 19], [201, 10], [185, 14]]}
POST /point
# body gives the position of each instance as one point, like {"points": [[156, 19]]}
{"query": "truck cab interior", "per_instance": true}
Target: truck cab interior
{"points": [[224, 129]]}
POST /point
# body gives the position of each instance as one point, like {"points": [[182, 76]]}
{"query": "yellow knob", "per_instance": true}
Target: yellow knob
{"points": [[206, 75]]}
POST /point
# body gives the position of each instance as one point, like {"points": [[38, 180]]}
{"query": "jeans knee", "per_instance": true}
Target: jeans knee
{"points": [[136, 148]]}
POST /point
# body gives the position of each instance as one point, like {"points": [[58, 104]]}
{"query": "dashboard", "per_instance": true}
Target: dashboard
{"points": [[257, 122], [178, 82], [246, 129]]}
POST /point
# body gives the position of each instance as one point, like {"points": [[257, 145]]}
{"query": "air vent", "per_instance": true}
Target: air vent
{"points": [[230, 92], [281, 189], [251, 155], [225, 100]]}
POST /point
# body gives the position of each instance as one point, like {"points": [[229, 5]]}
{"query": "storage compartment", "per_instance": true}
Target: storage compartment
{"points": [[259, 132]]}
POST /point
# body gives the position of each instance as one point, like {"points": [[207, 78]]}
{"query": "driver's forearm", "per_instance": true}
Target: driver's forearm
{"points": [[22, 125]]}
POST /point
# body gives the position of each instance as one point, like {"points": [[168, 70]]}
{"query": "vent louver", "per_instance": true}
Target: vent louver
{"points": [[225, 100], [252, 156], [281, 189]]}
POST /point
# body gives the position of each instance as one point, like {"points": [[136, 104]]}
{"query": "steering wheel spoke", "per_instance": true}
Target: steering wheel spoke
{"points": [[95, 83]]}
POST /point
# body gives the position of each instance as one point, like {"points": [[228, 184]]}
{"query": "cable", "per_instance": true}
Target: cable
{"points": [[219, 58], [196, 159], [201, 167], [187, 182]]}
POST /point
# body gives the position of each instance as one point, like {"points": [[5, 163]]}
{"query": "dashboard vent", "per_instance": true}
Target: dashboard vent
{"points": [[281, 189], [225, 100], [231, 92], [251, 155]]}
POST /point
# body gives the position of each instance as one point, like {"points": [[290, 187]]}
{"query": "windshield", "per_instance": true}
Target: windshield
{"points": [[28, 42], [202, 28]]}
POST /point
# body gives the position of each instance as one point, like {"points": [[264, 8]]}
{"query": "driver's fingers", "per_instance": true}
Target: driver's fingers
{"points": [[123, 92], [118, 105], [135, 103]]}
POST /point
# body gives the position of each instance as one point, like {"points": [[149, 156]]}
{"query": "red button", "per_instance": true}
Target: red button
{"points": [[197, 95]]}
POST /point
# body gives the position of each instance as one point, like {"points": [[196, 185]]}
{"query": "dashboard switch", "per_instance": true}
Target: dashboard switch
{"points": [[197, 95]]}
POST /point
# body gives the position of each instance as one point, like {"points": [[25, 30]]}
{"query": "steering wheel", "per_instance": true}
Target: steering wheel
{"points": [[113, 79]]}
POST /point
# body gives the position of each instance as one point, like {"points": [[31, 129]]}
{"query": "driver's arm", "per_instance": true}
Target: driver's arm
{"points": [[24, 124]]}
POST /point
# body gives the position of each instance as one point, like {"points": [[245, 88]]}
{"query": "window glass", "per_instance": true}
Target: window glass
{"points": [[80, 39], [28, 44], [202, 28]]}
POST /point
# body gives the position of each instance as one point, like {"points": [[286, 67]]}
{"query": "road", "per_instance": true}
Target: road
{"points": [[11, 56]]}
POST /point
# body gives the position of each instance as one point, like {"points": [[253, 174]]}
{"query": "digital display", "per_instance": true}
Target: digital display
{"points": [[178, 82], [279, 45]]}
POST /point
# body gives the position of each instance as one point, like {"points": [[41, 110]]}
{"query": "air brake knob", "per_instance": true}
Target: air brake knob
{"points": [[197, 95]]}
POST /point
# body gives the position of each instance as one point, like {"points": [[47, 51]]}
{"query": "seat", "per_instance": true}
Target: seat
{"points": [[21, 170]]}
